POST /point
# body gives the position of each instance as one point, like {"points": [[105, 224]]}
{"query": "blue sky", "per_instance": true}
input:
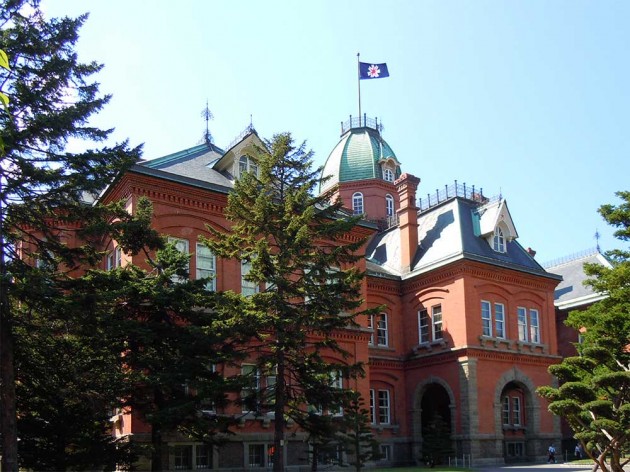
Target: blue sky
{"points": [[525, 98]]}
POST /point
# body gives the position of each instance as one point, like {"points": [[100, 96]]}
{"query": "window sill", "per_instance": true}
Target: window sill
{"points": [[394, 428], [430, 346], [532, 347]]}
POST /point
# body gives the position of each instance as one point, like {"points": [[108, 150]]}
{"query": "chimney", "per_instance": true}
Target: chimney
{"points": [[406, 186]]}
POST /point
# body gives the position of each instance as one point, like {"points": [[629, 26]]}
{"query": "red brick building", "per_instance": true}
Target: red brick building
{"points": [[468, 329]]}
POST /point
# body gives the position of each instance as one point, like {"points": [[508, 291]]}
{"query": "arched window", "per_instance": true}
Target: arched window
{"points": [[357, 203], [247, 164], [388, 174], [499, 240], [389, 205]]}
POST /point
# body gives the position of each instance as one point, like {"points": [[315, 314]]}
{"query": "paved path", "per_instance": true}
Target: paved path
{"points": [[546, 467]]}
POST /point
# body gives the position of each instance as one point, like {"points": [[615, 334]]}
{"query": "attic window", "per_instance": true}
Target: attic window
{"points": [[499, 240], [247, 164], [388, 174]]}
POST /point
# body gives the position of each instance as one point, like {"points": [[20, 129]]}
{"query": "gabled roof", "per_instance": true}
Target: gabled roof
{"points": [[571, 292], [193, 163], [447, 233], [493, 214]]}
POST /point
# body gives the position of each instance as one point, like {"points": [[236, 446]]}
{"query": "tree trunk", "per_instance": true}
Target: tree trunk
{"points": [[156, 449], [280, 400], [8, 421]]}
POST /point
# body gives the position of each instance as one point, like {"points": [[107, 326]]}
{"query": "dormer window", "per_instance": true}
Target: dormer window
{"points": [[357, 203], [247, 164], [499, 240], [388, 174]]}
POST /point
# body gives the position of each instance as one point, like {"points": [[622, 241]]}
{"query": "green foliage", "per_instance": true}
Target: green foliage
{"points": [[437, 439], [595, 395], [299, 251], [356, 433], [175, 333], [45, 208]]}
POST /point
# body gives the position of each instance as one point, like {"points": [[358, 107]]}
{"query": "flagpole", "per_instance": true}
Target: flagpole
{"points": [[359, 83]]}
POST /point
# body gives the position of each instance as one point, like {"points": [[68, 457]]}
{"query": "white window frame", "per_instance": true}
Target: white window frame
{"points": [[248, 288], [424, 336], [534, 326], [254, 388], [357, 203], [183, 246], [486, 318], [498, 241], [372, 406], [382, 330], [516, 411], [388, 174], [389, 205], [523, 332], [499, 320], [247, 164], [386, 452], [202, 255], [384, 407], [505, 411], [437, 322]]}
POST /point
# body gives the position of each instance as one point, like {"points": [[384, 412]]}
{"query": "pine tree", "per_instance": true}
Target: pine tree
{"points": [[356, 433], [43, 185], [303, 263], [176, 332], [594, 395]]}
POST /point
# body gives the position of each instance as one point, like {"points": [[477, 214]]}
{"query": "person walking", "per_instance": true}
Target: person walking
{"points": [[552, 454]]}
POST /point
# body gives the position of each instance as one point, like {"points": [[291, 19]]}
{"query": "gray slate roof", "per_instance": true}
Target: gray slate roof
{"points": [[446, 233], [571, 292], [192, 164]]}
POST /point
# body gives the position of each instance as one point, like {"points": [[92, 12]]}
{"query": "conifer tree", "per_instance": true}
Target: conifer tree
{"points": [[43, 185], [302, 263], [356, 433], [594, 395]]}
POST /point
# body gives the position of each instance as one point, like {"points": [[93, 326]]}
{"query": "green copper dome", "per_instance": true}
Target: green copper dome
{"points": [[360, 154]]}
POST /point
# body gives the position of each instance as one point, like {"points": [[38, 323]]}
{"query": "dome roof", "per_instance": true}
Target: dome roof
{"points": [[358, 155]]}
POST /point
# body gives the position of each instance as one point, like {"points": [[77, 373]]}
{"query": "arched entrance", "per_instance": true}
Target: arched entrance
{"points": [[517, 416], [433, 422]]}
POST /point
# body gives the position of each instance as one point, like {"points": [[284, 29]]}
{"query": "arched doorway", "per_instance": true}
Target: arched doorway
{"points": [[436, 424]]}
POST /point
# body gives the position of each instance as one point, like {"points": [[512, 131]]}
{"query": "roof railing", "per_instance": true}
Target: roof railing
{"points": [[361, 122], [571, 257], [452, 191], [245, 132]]}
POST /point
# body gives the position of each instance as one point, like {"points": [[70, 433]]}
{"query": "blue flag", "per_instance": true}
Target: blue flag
{"points": [[372, 71]]}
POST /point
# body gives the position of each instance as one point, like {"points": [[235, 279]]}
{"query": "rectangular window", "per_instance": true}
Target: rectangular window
{"points": [[423, 326], [381, 330], [182, 246], [499, 320], [337, 382], [371, 328], [534, 329], [248, 287], [505, 410], [206, 265], [249, 394], [516, 411], [386, 452], [522, 323], [372, 407], [436, 315], [203, 457], [383, 407], [486, 318], [182, 457], [256, 455], [114, 258]]}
